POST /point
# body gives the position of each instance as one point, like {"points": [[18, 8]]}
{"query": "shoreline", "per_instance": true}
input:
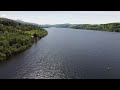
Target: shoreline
{"points": [[26, 47]]}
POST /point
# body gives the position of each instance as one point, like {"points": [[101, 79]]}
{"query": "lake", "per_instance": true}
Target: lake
{"points": [[67, 54]]}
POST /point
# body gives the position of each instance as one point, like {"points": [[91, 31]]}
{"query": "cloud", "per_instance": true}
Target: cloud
{"points": [[3, 15], [53, 17]]}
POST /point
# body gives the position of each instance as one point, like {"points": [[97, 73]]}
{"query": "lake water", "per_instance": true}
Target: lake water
{"points": [[67, 54]]}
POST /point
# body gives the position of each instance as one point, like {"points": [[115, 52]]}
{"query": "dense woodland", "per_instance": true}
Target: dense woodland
{"points": [[16, 37], [113, 27]]}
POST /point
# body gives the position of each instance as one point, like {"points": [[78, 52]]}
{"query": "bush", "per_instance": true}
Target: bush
{"points": [[2, 56]]}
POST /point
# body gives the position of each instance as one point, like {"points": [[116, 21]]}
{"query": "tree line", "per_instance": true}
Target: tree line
{"points": [[16, 37], [113, 27]]}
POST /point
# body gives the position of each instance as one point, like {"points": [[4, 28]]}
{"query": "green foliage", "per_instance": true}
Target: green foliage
{"points": [[16, 37], [2, 56], [113, 27]]}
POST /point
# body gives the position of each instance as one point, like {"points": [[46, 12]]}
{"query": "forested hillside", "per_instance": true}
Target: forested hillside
{"points": [[16, 37], [106, 27]]}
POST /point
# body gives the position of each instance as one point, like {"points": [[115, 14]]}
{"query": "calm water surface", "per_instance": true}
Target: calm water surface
{"points": [[67, 54]]}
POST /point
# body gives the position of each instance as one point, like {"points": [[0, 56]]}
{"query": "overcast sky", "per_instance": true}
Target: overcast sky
{"points": [[61, 17]]}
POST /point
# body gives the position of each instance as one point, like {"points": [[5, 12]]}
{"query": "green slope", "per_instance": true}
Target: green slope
{"points": [[106, 27], [16, 37]]}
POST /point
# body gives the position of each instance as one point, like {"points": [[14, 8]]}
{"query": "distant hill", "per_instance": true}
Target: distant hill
{"points": [[113, 27], [59, 25], [20, 21]]}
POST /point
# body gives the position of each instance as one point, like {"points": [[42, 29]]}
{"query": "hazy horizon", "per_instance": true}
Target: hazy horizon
{"points": [[63, 17]]}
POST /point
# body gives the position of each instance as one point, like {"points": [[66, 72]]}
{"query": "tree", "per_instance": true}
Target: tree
{"points": [[16, 37]]}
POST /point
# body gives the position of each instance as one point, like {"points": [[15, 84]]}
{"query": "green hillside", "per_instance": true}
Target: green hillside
{"points": [[113, 27], [16, 37]]}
